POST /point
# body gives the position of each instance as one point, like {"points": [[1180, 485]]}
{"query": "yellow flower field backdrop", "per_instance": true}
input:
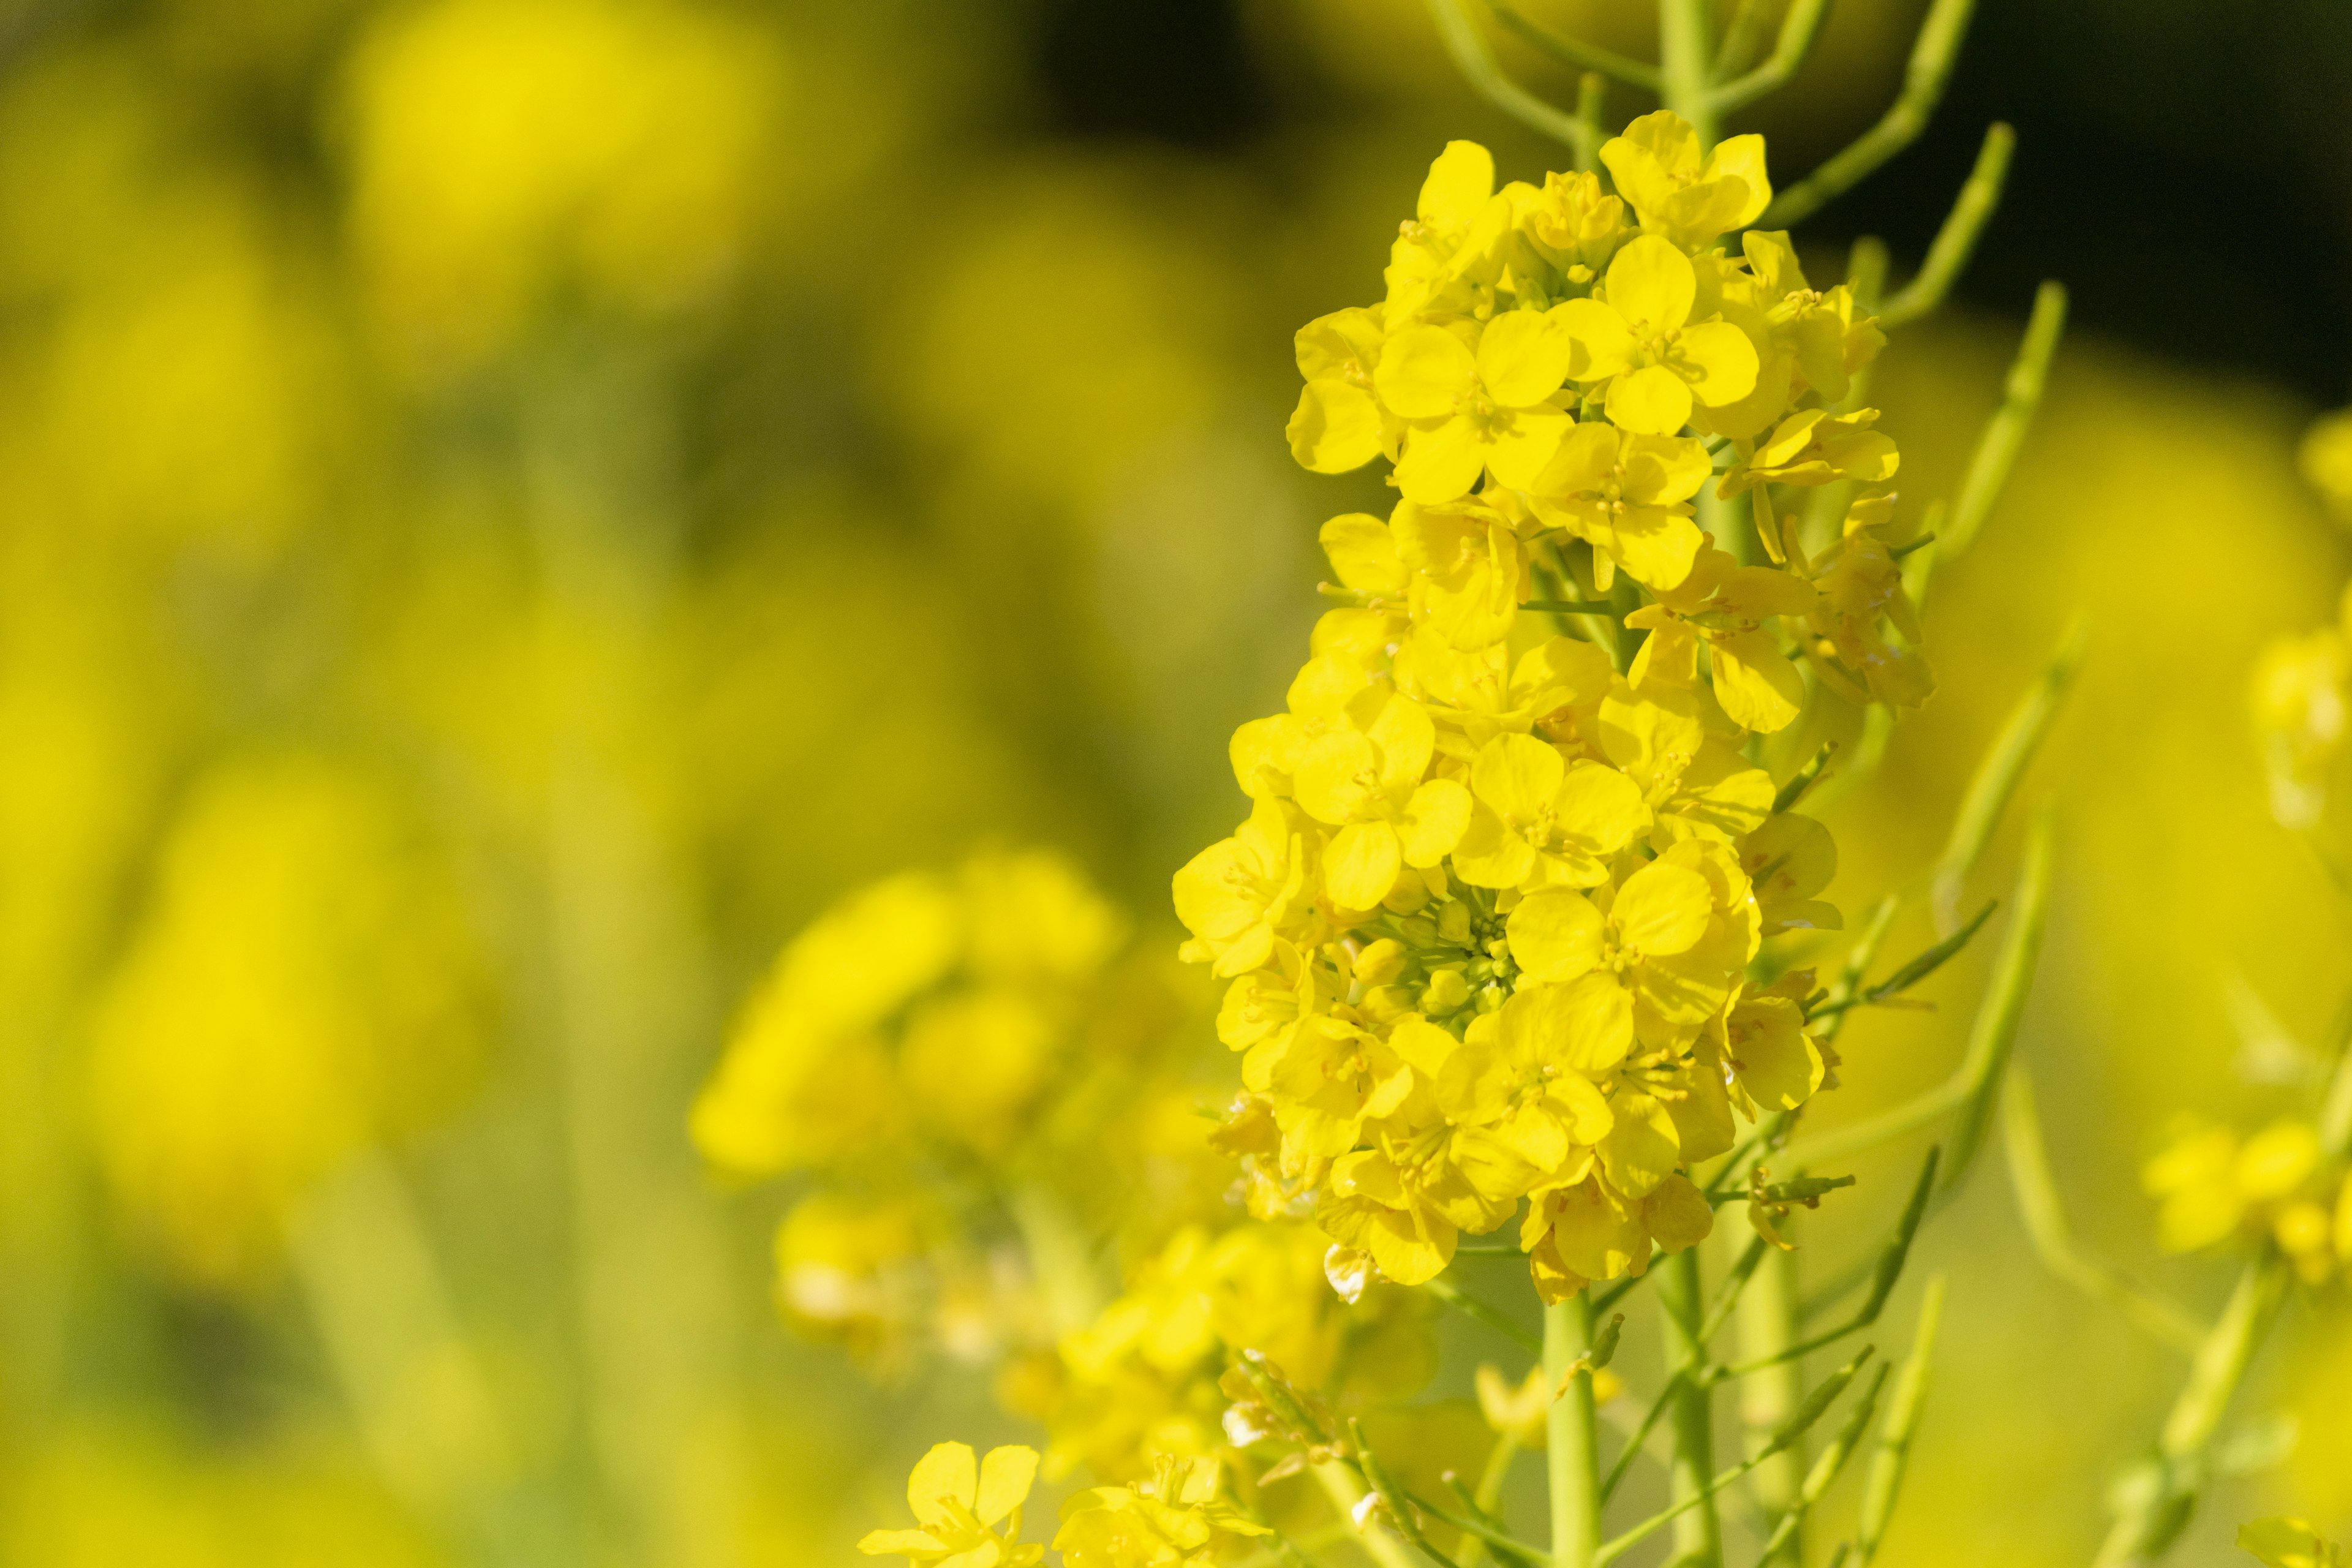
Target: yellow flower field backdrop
{"points": [[511, 511]]}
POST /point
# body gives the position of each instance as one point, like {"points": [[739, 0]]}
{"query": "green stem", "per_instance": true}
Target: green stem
{"points": [[2160, 1510], [1768, 1396], [1698, 1532], [1569, 1451], [1686, 65], [1340, 1484]]}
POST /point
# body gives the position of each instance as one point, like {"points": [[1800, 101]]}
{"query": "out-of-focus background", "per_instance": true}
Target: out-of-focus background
{"points": [[509, 507]]}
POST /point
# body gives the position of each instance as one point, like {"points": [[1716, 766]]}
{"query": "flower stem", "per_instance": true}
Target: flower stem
{"points": [[1570, 1447], [1769, 1395], [1686, 65], [1698, 1532]]}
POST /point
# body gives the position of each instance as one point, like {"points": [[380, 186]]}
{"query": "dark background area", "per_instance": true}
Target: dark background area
{"points": [[2184, 166]]}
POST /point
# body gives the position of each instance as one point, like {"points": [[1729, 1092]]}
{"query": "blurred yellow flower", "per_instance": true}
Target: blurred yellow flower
{"points": [[506, 152], [302, 982]]}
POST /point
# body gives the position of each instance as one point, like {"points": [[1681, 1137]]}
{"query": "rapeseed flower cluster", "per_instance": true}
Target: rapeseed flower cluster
{"points": [[1488, 927], [2214, 1185], [911, 1052]]}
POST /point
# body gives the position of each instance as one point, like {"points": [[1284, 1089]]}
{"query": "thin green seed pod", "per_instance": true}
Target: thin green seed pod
{"points": [[1883, 1484]]}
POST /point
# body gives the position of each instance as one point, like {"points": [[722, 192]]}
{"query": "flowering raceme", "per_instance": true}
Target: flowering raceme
{"points": [[1489, 926]]}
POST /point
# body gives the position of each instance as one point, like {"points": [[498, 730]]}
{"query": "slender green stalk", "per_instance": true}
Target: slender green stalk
{"points": [[1686, 65], [1591, 108], [2165, 1494], [1342, 1485], [1769, 1395], [1932, 57], [1995, 781], [1957, 240], [1883, 1484], [1575, 52], [2053, 1239], [1826, 1470], [1463, 1301], [1698, 1532], [1741, 39], [1996, 447], [1570, 1450], [1475, 58], [1993, 1035], [1800, 27]]}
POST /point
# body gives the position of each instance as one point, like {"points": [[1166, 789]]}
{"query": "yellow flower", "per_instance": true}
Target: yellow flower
{"points": [[1816, 447], [1406, 1199], [1339, 424], [1696, 784], [1862, 583], [1236, 897], [1368, 784], [1687, 198], [840, 1266], [1775, 1064], [1818, 337], [1676, 933], [1788, 860], [1364, 557], [2302, 692], [1641, 341], [1484, 694], [959, 1503], [2211, 1186], [1571, 223], [1326, 1078], [1525, 1075], [1588, 1230], [1722, 607], [1470, 569], [1172, 1521], [300, 984], [2284, 1542], [1542, 823], [1474, 407], [1627, 496], [1426, 261]]}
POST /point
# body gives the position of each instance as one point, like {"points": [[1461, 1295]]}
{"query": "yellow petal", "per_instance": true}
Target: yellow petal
{"points": [[1594, 1236], [1598, 808], [1336, 427], [1434, 821], [1518, 775], [1423, 370], [1587, 1024], [1404, 737], [1005, 1478], [1660, 470], [1361, 864], [1442, 460], [1555, 934], [1652, 400], [1460, 181], [1759, 689], [1328, 346], [951, 1470], [1676, 1214], [1523, 357], [1651, 285], [1601, 343], [1661, 908], [1521, 449], [1743, 156], [1585, 461], [1719, 360], [1490, 854], [1655, 545], [1363, 553], [1333, 780], [1642, 1148], [916, 1543]]}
